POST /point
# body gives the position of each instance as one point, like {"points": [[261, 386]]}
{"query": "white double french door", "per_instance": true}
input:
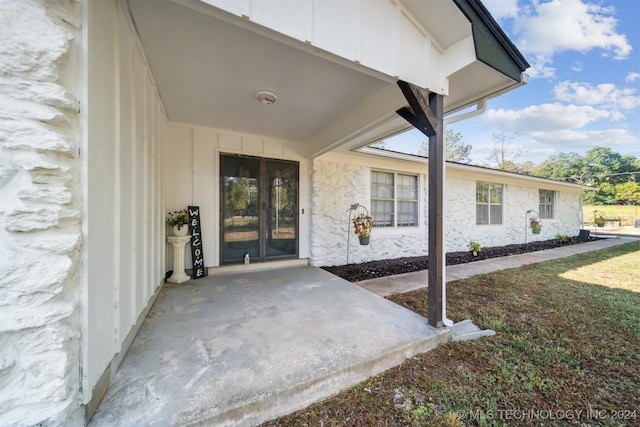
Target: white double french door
{"points": [[259, 208]]}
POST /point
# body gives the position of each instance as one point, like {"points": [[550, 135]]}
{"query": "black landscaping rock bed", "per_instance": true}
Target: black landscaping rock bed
{"points": [[389, 267]]}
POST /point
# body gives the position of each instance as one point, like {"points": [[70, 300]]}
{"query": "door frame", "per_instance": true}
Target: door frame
{"points": [[263, 216]]}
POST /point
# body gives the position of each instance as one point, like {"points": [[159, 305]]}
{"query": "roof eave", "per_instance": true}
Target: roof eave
{"points": [[493, 47]]}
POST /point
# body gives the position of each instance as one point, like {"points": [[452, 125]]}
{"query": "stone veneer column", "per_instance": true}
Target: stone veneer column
{"points": [[40, 212]]}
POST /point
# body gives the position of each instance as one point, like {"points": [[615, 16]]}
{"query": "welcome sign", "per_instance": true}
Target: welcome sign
{"points": [[197, 255]]}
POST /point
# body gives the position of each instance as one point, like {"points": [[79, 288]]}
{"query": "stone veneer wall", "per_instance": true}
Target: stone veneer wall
{"points": [[460, 216], [336, 185], [40, 211]]}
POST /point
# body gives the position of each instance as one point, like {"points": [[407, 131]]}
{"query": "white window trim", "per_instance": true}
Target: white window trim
{"points": [[503, 204], [395, 228], [554, 206]]}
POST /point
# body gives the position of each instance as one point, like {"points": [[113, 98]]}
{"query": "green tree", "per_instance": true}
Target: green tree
{"points": [[608, 166], [628, 193], [564, 166], [456, 149], [604, 195], [608, 170]]}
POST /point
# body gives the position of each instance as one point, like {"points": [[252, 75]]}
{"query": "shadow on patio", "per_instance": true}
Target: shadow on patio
{"points": [[240, 349]]}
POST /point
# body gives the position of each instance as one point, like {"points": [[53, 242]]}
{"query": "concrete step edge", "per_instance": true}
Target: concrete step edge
{"points": [[299, 396]]}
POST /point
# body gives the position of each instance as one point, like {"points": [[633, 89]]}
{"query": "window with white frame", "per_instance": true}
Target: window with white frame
{"points": [[394, 199], [547, 204], [488, 203]]}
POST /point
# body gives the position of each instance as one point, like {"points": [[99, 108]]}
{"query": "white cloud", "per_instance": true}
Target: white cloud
{"points": [[542, 143], [550, 128], [577, 66], [604, 95], [500, 9], [632, 77], [548, 28], [541, 69], [548, 118], [579, 139]]}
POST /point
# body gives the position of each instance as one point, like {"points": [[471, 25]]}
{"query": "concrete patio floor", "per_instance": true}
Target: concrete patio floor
{"points": [[243, 348]]}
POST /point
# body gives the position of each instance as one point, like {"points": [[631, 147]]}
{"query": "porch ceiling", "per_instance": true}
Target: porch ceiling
{"points": [[209, 64]]}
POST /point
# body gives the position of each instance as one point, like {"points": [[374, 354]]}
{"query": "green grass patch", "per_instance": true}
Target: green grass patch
{"points": [[567, 352]]}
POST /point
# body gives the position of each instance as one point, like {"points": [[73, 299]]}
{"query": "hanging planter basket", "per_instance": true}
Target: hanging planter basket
{"points": [[361, 223], [535, 230]]}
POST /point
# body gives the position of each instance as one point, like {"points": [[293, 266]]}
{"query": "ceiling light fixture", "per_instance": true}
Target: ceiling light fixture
{"points": [[266, 96]]}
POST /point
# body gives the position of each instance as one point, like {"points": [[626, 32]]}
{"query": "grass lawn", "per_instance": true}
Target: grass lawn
{"points": [[567, 352]]}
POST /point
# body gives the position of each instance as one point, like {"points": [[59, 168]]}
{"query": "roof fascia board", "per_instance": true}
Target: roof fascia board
{"points": [[492, 45]]}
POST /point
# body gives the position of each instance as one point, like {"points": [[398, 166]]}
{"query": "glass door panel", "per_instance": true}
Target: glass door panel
{"points": [[240, 208], [282, 212], [259, 214]]}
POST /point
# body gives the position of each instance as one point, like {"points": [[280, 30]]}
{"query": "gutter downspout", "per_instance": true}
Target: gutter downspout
{"points": [[481, 106]]}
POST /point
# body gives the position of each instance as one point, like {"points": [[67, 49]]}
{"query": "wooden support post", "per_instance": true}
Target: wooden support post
{"points": [[425, 113], [436, 200]]}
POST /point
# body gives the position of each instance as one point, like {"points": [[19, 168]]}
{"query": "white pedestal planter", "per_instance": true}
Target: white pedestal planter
{"points": [[178, 243], [183, 231]]}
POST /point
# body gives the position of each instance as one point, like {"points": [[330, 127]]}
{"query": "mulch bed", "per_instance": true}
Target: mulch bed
{"points": [[389, 267]]}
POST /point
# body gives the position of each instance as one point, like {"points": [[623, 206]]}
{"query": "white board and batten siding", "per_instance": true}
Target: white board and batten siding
{"points": [[382, 35], [193, 178], [125, 131]]}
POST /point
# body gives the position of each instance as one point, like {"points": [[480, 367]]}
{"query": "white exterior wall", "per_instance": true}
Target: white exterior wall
{"points": [[335, 187], [40, 212], [341, 180], [125, 129], [82, 212], [193, 179]]}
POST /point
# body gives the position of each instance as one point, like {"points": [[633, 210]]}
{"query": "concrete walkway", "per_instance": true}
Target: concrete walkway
{"points": [[400, 283], [243, 348]]}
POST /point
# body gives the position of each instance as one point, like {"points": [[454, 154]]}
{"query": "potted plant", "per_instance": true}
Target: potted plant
{"points": [[535, 224], [475, 248], [598, 218], [179, 222], [362, 225]]}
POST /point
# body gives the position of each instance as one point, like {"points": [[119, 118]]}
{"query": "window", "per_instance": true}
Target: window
{"points": [[394, 199], [547, 199], [488, 203]]}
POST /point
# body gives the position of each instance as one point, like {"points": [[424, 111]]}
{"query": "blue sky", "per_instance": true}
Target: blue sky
{"points": [[584, 85]]}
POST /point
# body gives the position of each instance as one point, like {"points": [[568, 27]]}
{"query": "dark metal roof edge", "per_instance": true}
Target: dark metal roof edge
{"points": [[478, 14]]}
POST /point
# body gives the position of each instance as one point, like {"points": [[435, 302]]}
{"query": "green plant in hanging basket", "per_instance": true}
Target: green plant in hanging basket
{"points": [[535, 224], [362, 225]]}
